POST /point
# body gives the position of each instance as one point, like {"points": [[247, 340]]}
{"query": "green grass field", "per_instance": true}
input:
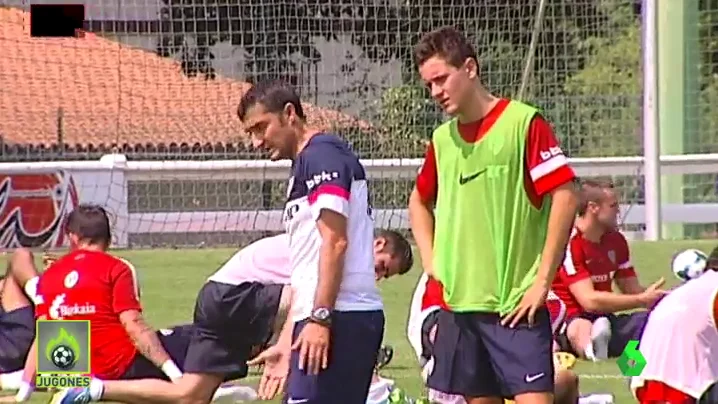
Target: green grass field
{"points": [[170, 280]]}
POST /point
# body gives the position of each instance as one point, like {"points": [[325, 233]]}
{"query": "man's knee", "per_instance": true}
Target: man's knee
{"points": [[578, 332], [20, 256], [196, 388], [566, 390]]}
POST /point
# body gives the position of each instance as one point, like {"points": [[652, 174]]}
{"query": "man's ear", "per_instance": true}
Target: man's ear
{"points": [[472, 67], [289, 113], [379, 243]]}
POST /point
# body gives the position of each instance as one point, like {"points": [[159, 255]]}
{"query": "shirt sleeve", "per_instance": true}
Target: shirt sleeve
{"points": [[547, 165], [573, 268], [427, 180], [328, 180], [623, 258], [125, 288]]}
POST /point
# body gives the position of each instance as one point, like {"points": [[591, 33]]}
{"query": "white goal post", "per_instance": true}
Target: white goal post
{"points": [[106, 182]]}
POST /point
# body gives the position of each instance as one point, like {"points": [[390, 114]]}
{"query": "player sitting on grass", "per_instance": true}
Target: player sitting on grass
{"points": [[680, 344], [427, 304], [597, 255], [250, 292]]}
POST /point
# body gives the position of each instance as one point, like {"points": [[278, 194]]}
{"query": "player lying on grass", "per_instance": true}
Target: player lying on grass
{"points": [[239, 310], [597, 255], [427, 304], [679, 343], [17, 317]]}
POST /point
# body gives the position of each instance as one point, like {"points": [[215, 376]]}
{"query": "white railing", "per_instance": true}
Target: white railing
{"points": [[105, 182]]}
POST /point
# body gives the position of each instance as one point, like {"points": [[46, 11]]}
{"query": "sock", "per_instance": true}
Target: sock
{"points": [[30, 289], [588, 352], [96, 389]]}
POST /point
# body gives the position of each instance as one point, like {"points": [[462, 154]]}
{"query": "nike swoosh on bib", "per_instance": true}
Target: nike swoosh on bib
{"points": [[463, 180]]}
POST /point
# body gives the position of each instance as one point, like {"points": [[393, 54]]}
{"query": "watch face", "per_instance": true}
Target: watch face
{"points": [[321, 313]]}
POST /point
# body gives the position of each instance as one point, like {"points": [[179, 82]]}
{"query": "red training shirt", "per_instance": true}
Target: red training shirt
{"points": [[602, 262], [546, 166], [95, 286]]}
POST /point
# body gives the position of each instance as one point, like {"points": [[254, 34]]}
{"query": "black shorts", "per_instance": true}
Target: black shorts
{"points": [[176, 341], [624, 328], [17, 331], [230, 321], [475, 356]]}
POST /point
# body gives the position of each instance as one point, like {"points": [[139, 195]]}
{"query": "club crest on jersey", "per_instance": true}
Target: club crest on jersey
{"points": [[321, 177], [33, 207], [612, 256], [71, 279]]}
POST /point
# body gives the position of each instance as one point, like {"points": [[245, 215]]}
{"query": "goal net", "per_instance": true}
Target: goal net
{"points": [[159, 83]]}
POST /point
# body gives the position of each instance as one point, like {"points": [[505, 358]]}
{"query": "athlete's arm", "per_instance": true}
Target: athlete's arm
{"points": [[594, 300], [421, 209], [551, 176], [333, 230], [625, 278], [576, 276], [329, 195], [126, 304]]}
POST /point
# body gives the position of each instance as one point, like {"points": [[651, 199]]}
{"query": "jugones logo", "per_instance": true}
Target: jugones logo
{"points": [[63, 353]]}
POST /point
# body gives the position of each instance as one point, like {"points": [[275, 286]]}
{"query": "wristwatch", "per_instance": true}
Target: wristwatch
{"points": [[322, 316]]}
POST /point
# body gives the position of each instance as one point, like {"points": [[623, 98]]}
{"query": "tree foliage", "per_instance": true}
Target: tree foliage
{"points": [[586, 74]]}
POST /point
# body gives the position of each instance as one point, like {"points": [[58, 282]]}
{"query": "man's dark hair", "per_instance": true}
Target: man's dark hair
{"points": [[273, 95], [712, 263], [591, 190], [398, 246], [447, 43], [90, 223]]}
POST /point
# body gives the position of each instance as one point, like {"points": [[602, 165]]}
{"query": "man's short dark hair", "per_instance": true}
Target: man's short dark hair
{"points": [[712, 263], [90, 223], [448, 44], [398, 246], [273, 95], [591, 190]]}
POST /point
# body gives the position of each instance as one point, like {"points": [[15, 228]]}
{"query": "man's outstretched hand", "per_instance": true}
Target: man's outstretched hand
{"points": [[276, 370]]}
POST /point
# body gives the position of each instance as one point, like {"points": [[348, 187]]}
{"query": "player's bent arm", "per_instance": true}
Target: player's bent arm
{"points": [[629, 285], [332, 228], [147, 343], [593, 300], [563, 211], [421, 218]]}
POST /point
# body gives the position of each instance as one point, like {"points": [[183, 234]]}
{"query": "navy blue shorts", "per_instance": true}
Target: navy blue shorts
{"points": [[475, 356], [624, 327], [355, 341], [17, 331]]}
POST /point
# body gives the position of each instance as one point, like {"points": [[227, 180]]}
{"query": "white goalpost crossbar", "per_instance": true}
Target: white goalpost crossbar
{"points": [[106, 182]]}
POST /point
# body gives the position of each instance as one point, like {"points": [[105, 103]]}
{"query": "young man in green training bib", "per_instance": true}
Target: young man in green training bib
{"points": [[491, 213]]}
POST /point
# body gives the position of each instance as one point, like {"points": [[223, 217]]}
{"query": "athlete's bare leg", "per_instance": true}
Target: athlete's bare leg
{"points": [[191, 388], [579, 336], [566, 389], [20, 270]]}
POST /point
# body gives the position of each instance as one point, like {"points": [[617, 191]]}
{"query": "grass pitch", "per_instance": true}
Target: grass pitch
{"points": [[170, 280]]}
